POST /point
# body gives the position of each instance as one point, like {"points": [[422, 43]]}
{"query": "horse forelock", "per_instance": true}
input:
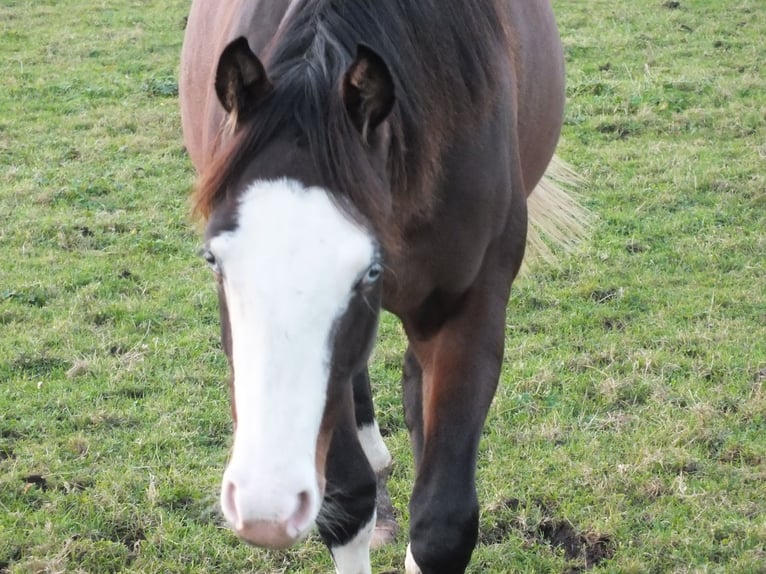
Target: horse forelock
{"points": [[439, 54]]}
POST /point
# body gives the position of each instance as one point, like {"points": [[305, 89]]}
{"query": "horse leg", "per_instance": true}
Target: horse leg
{"points": [[346, 521], [372, 443], [460, 369], [412, 385]]}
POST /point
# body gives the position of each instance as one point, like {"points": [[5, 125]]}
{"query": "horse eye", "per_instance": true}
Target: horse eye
{"points": [[373, 274], [208, 256]]}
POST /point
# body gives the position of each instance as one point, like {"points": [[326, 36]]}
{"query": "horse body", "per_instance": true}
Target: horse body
{"points": [[376, 154]]}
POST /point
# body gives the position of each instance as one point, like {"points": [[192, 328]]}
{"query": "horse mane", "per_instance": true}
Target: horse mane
{"points": [[442, 56]]}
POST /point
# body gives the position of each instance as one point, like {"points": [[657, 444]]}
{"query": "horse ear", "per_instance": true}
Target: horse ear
{"points": [[368, 90], [240, 80]]}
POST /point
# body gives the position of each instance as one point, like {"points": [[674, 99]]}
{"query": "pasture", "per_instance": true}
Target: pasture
{"points": [[629, 430]]}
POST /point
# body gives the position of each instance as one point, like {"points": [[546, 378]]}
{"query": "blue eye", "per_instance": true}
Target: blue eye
{"points": [[208, 256], [374, 273]]}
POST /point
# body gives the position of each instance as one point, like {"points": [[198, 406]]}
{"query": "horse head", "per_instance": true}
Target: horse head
{"points": [[299, 268]]}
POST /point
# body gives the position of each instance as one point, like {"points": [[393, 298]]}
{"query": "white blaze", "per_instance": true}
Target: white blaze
{"points": [[289, 269]]}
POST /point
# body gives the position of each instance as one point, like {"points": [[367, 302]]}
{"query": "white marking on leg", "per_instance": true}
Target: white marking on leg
{"points": [[354, 557], [374, 447], [410, 566]]}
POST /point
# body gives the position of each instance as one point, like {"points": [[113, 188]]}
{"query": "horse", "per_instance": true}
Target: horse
{"points": [[354, 156]]}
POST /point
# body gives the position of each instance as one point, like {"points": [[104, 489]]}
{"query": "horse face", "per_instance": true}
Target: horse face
{"points": [[299, 276], [299, 291]]}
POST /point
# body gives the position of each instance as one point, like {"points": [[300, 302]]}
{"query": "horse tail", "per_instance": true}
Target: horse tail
{"points": [[558, 221]]}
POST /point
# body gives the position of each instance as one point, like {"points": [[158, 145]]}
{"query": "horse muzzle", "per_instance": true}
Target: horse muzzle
{"points": [[270, 514]]}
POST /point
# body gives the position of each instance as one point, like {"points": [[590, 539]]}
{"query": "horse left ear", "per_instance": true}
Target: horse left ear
{"points": [[368, 90], [240, 79]]}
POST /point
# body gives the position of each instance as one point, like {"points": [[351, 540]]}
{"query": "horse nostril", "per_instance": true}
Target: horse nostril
{"points": [[302, 516]]}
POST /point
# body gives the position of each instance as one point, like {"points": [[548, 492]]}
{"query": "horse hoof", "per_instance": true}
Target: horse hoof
{"points": [[386, 527], [385, 533]]}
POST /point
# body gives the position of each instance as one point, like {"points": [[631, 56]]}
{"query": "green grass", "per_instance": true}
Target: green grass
{"points": [[631, 417]]}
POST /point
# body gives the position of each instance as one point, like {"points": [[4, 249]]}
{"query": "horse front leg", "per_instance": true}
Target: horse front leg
{"points": [[377, 454], [346, 520], [412, 387], [460, 369]]}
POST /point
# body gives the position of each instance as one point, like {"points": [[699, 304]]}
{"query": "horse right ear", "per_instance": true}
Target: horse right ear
{"points": [[240, 80], [368, 90]]}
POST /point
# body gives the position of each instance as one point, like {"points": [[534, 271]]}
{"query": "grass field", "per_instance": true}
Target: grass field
{"points": [[629, 432]]}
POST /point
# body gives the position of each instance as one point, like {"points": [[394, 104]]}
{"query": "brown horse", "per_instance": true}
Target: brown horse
{"points": [[355, 155]]}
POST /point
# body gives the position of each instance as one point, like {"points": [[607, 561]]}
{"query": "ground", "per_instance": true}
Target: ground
{"points": [[628, 430]]}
